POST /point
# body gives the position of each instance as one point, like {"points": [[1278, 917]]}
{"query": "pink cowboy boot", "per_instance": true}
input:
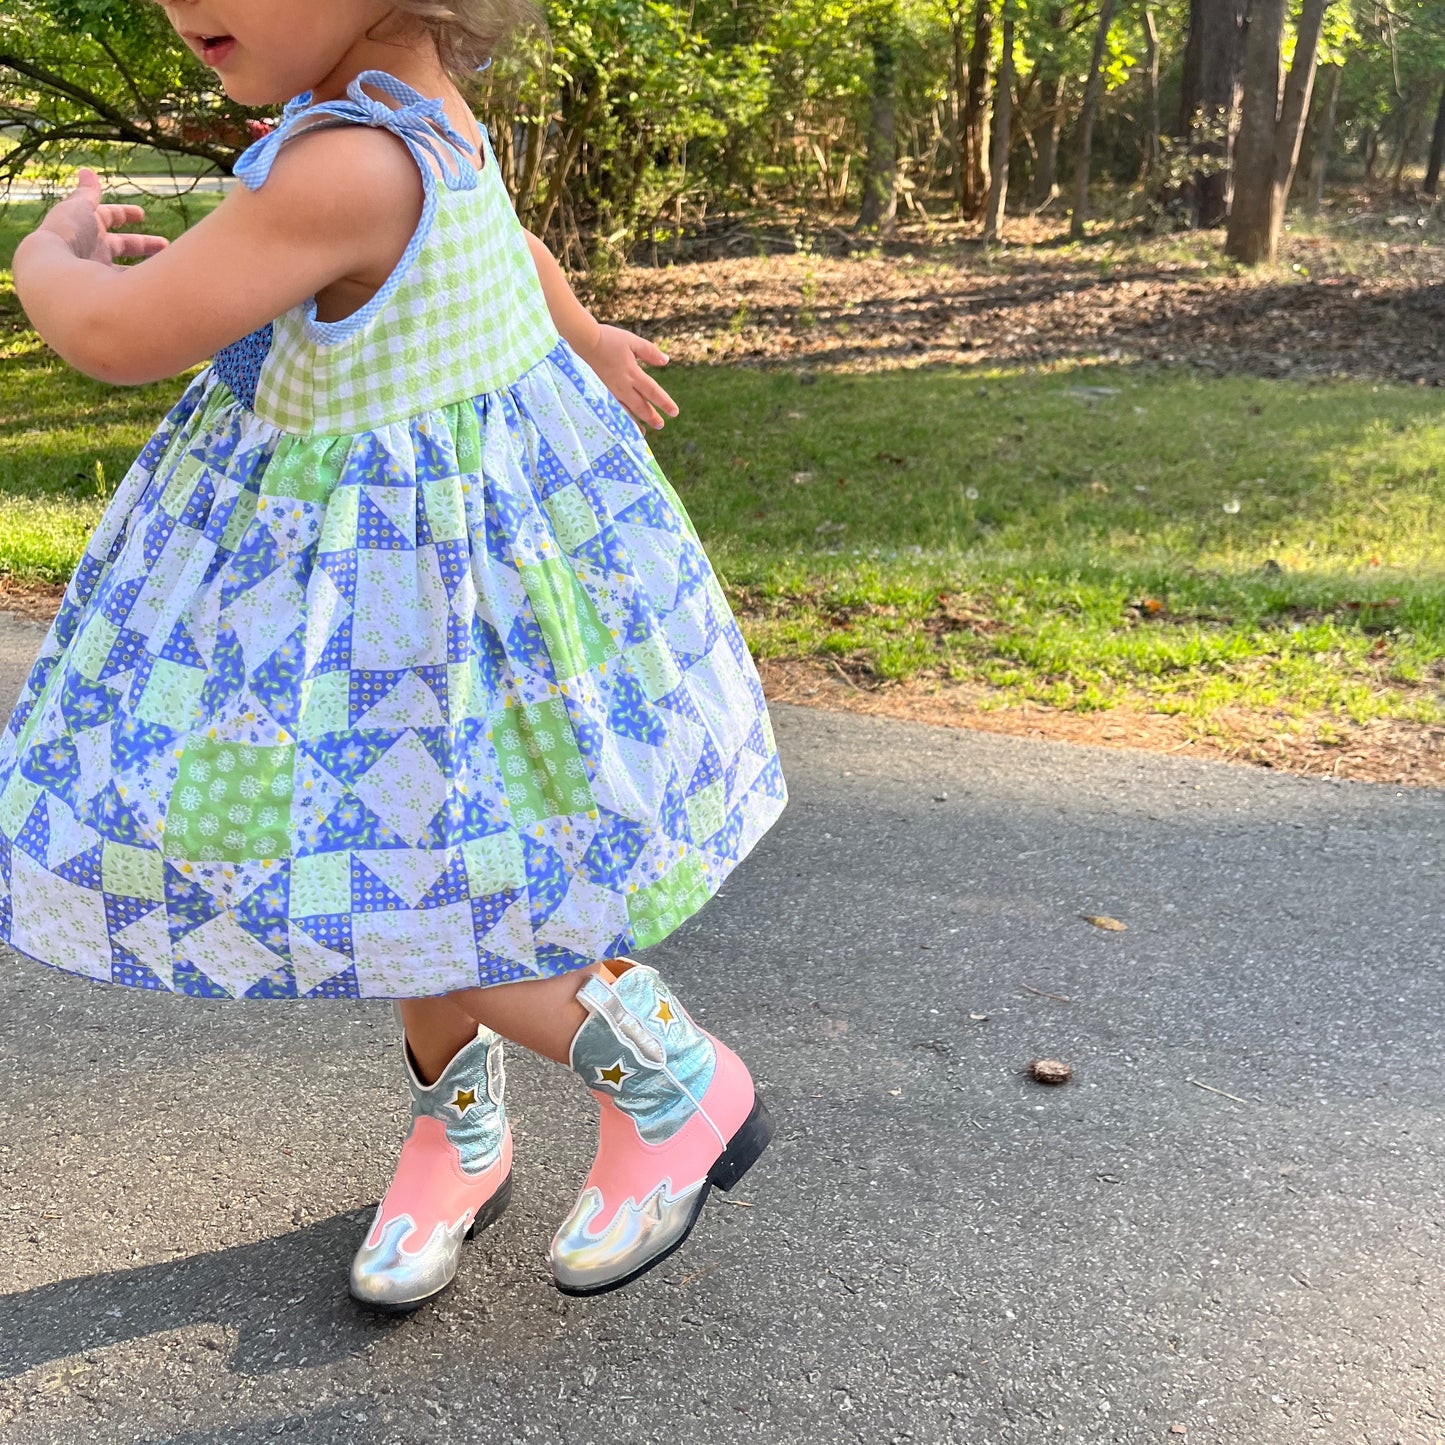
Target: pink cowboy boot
{"points": [[454, 1177], [679, 1114]]}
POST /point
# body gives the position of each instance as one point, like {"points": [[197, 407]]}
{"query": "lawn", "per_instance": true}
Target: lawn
{"points": [[1080, 536]]}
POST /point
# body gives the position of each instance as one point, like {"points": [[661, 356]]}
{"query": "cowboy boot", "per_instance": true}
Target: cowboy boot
{"points": [[679, 1114], [454, 1177]]}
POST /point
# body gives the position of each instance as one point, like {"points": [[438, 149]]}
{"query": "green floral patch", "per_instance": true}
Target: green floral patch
{"points": [[231, 801], [306, 469], [542, 770], [577, 639], [656, 910]]}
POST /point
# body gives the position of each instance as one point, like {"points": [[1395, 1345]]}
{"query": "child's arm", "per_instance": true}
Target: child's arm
{"points": [[614, 354], [339, 203]]}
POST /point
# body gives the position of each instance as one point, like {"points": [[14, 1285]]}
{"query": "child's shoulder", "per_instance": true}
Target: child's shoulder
{"points": [[341, 172]]}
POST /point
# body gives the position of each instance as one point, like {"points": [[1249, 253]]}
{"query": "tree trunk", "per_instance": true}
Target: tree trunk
{"points": [[1320, 156], [1003, 114], [1151, 90], [1437, 151], [880, 179], [960, 106], [1209, 102], [1409, 134], [1046, 177], [1086, 123], [976, 111], [1271, 126]]}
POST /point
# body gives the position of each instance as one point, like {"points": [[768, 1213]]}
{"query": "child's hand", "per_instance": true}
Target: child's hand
{"points": [[617, 359], [83, 223]]}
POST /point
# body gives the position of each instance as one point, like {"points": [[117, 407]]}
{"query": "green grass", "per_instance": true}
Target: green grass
{"points": [[1014, 530], [1073, 547]]}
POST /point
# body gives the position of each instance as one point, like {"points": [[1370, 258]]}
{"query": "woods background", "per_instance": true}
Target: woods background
{"points": [[645, 125]]}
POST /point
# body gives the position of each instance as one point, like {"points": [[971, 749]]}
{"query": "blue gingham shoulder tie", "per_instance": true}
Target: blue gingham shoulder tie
{"points": [[421, 122]]}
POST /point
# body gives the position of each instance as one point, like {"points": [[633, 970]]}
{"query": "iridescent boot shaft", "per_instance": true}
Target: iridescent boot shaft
{"points": [[453, 1178], [678, 1113]]}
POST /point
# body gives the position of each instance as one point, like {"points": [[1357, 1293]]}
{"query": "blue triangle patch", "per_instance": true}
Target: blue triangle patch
{"points": [[121, 912], [615, 848], [340, 985], [330, 930], [34, 835], [157, 534], [127, 650], [369, 894], [118, 598], [181, 647], [488, 910], [350, 755], [451, 887], [340, 567], [197, 511], [351, 824], [110, 815], [85, 704], [461, 818], [82, 870], [186, 978], [454, 562], [255, 560], [650, 510], [336, 655], [631, 714], [277, 682], [370, 462], [188, 905], [134, 743], [262, 913], [546, 879], [369, 686], [281, 984], [126, 968], [227, 673], [54, 766], [376, 532]]}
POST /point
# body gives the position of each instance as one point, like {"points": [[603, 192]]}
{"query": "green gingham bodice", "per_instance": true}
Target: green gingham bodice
{"points": [[462, 313]]}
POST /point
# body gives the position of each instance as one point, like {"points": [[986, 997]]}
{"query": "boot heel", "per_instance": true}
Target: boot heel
{"points": [[744, 1147], [493, 1209]]}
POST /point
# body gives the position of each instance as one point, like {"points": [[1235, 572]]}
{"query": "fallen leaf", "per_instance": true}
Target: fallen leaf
{"points": [[1050, 1071], [1102, 920]]}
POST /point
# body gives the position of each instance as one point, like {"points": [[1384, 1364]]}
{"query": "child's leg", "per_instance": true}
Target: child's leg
{"points": [[542, 1015]]}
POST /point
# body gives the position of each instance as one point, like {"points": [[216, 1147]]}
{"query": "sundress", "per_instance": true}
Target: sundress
{"points": [[395, 665]]}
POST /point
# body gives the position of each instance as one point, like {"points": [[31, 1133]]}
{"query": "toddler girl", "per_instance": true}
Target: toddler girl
{"points": [[395, 668]]}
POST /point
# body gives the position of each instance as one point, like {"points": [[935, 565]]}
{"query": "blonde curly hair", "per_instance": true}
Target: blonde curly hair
{"points": [[469, 33]]}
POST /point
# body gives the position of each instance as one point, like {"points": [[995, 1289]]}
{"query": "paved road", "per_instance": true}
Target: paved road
{"points": [[935, 1250], [120, 185]]}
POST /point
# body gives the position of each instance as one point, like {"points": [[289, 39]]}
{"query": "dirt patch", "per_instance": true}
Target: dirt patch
{"points": [[34, 601], [1382, 751], [1363, 307]]}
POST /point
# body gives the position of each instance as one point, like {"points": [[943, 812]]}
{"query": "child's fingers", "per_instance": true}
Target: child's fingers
{"points": [[119, 215], [656, 395], [645, 351], [87, 180], [644, 413], [127, 247]]}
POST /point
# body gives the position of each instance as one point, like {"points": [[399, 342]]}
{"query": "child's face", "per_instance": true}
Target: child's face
{"points": [[266, 51]]}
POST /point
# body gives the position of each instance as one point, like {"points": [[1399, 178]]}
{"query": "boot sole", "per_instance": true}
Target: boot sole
{"points": [[743, 1151], [486, 1216]]}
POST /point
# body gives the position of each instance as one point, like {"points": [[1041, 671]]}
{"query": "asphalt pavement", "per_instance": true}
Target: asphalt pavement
{"points": [[1228, 1227]]}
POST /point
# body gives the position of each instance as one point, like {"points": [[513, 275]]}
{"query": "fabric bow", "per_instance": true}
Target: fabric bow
{"points": [[420, 122]]}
